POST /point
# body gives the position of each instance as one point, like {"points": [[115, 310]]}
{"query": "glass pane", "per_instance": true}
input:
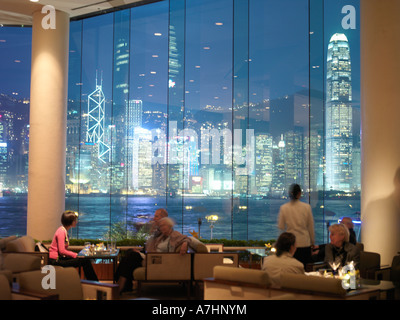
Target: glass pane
{"points": [[118, 142], [241, 137], [93, 184], [176, 111], [74, 163], [315, 146], [148, 101], [342, 110], [208, 118], [278, 94], [15, 68]]}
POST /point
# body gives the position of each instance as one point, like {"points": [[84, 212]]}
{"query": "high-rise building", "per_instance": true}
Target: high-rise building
{"points": [[96, 122], [338, 126], [263, 163], [133, 117], [141, 170]]}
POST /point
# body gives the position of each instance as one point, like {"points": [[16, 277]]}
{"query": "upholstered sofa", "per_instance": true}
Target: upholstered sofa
{"points": [[249, 284]]}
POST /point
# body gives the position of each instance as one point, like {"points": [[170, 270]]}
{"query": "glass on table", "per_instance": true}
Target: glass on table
{"points": [[86, 249], [113, 246]]}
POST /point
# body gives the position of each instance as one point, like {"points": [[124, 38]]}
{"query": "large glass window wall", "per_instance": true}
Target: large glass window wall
{"points": [[211, 109]]}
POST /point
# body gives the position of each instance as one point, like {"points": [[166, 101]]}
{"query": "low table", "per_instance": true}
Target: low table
{"points": [[257, 252], [386, 288], [106, 255]]}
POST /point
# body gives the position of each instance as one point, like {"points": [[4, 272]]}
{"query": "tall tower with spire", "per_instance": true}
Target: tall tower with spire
{"points": [[96, 122], [339, 118]]}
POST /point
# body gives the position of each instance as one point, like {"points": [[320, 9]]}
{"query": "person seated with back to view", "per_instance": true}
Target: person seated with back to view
{"points": [[283, 261]]}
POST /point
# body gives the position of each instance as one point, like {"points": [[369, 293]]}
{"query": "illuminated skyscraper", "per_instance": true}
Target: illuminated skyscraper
{"points": [[263, 163], [338, 126], [133, 117], [96, 122]]}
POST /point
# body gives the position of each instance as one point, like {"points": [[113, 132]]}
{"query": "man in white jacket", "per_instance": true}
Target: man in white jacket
{"points": [[296, 217]]}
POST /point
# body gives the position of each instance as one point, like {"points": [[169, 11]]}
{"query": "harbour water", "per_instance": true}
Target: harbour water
{"points": [[245, 219]]}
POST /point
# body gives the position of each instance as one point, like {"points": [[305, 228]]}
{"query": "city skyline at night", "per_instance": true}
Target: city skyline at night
{"points": [[206, 100]]}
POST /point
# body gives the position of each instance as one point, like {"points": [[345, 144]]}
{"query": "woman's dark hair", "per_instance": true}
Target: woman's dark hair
{"points": [[284, 242], [294, 190], [68, 217]]}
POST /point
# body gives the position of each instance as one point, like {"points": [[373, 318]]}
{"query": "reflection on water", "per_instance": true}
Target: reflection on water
{"points": [[251, 219]]}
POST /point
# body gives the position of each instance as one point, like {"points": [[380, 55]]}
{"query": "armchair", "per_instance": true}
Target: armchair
{"points": [[165, 267], [204, 263], [16, 263], [68, 285], [8, 293], [26, 245]]}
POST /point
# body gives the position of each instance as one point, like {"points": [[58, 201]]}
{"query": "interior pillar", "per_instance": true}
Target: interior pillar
{"points": [[47, 136], [380, 124]]}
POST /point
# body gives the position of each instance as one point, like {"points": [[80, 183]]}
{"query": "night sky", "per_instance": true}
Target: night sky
{"points": [[278, 49]]}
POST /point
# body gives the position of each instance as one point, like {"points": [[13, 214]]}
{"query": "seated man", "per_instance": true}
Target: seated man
{"points": [[283, 261], [163, 239]]}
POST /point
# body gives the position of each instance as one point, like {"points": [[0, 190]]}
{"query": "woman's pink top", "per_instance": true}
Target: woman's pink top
{"points": [[59, 245]]}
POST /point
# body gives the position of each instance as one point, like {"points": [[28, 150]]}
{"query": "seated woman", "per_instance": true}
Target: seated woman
{"points": [[164, 239], [59, 255], [340, 251], [282, 261]]}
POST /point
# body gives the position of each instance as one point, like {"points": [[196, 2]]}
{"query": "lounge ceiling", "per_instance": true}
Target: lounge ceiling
{"points": [[19, 12]]}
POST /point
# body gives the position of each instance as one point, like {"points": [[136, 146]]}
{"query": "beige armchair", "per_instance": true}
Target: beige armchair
{"points": [[25, 245], [68, 286], [204, 263], [8, 293], [17, 263], [165, 267]]}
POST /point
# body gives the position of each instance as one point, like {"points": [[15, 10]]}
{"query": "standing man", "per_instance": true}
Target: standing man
{"points": [[296, 217]]}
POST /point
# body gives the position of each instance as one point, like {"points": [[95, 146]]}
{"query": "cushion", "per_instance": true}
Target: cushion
{"points": [[252, 276], [15, 246], [197, 245], [22, 244], [21, 262], [312, 283], [4, 241], [28, 243]]}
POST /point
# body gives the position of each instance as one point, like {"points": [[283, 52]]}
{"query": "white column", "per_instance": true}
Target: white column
{"points": [[47, 136], [380, 123]]}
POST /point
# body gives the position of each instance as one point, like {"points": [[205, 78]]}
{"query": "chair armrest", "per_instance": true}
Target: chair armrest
{"points": [[94, 290], [44, 255], [18, 294]]}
